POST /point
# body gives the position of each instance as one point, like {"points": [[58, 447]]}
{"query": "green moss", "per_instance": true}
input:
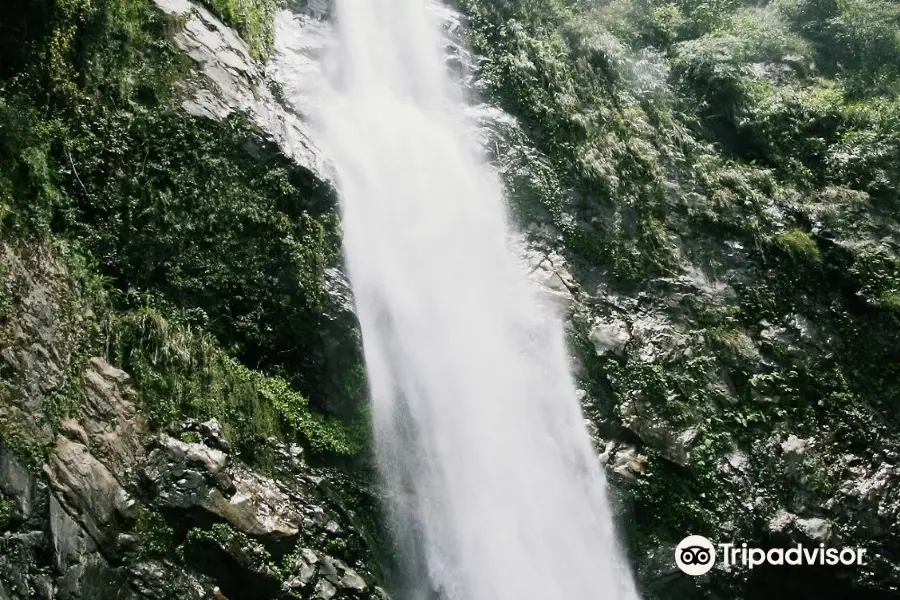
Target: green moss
{"points": [[22, 444], [818, 478], [799, 244], [733, 341], [336, 547], [254, 20], [877, 273], [669, 504], [62, 402], [191, 437], [890, 299], [363, 511], [220, 533]]}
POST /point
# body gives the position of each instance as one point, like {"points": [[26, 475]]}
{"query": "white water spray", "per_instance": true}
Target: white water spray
{"points": [[495, 491]]}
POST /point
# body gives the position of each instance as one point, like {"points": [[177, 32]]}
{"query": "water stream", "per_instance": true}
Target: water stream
{"points": [[495, 492]]}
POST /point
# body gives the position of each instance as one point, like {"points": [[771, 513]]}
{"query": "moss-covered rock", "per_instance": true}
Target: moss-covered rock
{"points": [[252, 19]]}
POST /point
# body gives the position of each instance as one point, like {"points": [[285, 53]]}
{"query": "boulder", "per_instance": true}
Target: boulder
{"points": [[610, 337]]}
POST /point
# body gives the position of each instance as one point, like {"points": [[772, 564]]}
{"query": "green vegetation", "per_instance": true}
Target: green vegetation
{"points": [[182, 372], [253, 20], [559, 73], [227, 538], [890, 299], [203, 544], [202, 227], [211, 256], [798, 244], [755, 142], [156, 535]]}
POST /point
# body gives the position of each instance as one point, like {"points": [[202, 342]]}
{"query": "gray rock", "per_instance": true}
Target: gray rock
{"points": [[815, 530], [86, 488], [207, 459], [352, 581], [554, 280], [213, 436], [17, 484], [328, 569], [639, 416], [325, 590], [794, 446], [627, 462], [610, 337], [190, 475], [307, 572], [84, 571]]}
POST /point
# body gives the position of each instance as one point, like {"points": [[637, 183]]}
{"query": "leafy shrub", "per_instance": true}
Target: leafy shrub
{"points": [[710, 70], [7, 510], [793, 131], [567, 79], [27, 183], [766, 36], [664, 23], [175, 209], [866, 155], [156, 536]]}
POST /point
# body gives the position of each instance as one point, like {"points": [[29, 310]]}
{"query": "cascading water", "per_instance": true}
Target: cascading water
{"points": [[495, 491]]}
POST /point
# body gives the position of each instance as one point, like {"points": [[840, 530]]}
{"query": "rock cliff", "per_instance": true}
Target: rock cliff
{"points": [[97, 505]]}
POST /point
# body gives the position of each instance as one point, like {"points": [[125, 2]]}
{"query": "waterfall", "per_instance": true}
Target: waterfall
{"points": [[495, 492]]}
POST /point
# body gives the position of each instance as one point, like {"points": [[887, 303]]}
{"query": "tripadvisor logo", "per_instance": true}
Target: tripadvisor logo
{"points": [[696, 555]]}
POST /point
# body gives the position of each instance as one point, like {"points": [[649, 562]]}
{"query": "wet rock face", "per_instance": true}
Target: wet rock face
{"points": [[226, 80], [95, 505]]}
